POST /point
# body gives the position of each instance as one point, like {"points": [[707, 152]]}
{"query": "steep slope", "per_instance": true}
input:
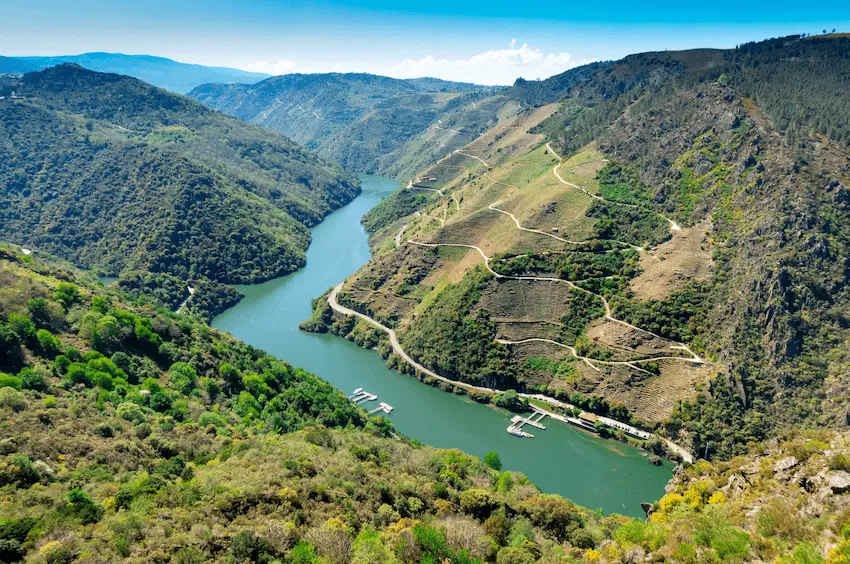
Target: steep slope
{"points": [[131, 433], [353, 119], [165, 73], [115, 175], [675, 250]]}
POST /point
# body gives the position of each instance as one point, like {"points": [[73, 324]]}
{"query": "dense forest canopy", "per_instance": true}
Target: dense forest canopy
{"points": [[115, 174]]}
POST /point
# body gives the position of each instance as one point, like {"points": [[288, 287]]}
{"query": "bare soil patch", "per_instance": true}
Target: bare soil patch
{"points": [[686, 256]]}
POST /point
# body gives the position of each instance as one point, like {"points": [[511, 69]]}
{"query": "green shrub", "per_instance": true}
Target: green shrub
{"points": [[840, 461], [182, 377], [12, 398], [47, 343], [34, 379], [131, 412], [23, 326], [77, 374], [62, 363], [66, 294], [81, 507], [641, 533], [492, 460], [303, 553], [7, 380]]}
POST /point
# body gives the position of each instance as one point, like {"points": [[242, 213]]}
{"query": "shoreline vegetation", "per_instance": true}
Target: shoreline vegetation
{"points": [[367, 334], [132, 432]]}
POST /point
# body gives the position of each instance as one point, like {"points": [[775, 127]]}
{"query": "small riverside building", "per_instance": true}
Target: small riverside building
{"points": [[588, 417]]}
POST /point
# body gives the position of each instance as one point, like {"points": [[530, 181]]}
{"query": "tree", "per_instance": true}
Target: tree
{"points": [[465, 534], [368, 548], [182, 377], [552, 513], [67, 294], [231, 376], [492, 460], [48, 344], [510, 400], [81, 507], [248, 546], [331, 540], [10, 343], [478, 502], [498, 527]]}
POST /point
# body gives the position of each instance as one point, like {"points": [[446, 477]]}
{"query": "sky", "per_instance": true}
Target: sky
{"points": [[469, 40]]}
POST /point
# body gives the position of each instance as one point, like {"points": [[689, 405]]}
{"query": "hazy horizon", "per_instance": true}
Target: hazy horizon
{"points": [[477, 42]]}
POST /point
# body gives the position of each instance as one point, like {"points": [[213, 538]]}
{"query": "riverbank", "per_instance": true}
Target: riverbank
{"points": [[606, 427], [590, 471]]}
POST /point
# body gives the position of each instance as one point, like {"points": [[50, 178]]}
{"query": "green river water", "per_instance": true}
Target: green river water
{"points": [[591, 471]]}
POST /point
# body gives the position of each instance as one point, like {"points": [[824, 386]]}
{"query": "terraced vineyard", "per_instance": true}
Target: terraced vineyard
{"points": [[508, 209]]}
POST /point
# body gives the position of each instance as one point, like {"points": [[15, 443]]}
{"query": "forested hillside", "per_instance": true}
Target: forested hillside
{"points": [[132, 433], [757, 143], [115, 175], [676, 249], [353, 119]]}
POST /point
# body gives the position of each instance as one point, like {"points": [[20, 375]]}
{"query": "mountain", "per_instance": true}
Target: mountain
{"points": [[356, 120], [661, 237], [165, 73], [133, 433], [117, 176]]}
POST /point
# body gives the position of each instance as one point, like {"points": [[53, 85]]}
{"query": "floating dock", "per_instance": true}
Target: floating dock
{"points": [[518, 421], [360, 395], [385, 407]]}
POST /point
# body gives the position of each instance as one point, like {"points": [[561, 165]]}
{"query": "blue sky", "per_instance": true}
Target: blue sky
{"points": [[477, 40]]}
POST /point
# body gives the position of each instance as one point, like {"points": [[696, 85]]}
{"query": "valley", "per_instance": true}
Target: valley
{"points": [[600, 277], [342, 318], [599, 472]]}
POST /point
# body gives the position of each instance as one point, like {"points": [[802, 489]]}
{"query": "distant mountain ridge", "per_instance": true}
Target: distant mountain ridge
{"points": [[354, 119], [159, 71]]}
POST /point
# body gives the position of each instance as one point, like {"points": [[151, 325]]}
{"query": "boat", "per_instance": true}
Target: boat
{"points": [[519, 433]]}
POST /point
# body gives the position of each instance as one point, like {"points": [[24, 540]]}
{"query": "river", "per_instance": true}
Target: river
{"points": [[590, 471]]}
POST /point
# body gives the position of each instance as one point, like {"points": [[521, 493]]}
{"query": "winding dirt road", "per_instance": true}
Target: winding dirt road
{"points": [[608, 312], [186, 301], [673, 225], [592, 363], [335, 305]]}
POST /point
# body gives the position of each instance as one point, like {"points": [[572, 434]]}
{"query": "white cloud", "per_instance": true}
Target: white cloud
{"points": [[498, 66], [283, 66]]}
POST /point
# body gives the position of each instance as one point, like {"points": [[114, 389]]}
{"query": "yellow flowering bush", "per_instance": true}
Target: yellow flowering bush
{"points": [[287, 495], [49, 547], [665, 505], [697, 494], [840, 554], [717, 498]]}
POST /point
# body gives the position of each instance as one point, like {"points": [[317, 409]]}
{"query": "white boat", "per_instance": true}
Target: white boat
{"points": [[519, 433]]}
